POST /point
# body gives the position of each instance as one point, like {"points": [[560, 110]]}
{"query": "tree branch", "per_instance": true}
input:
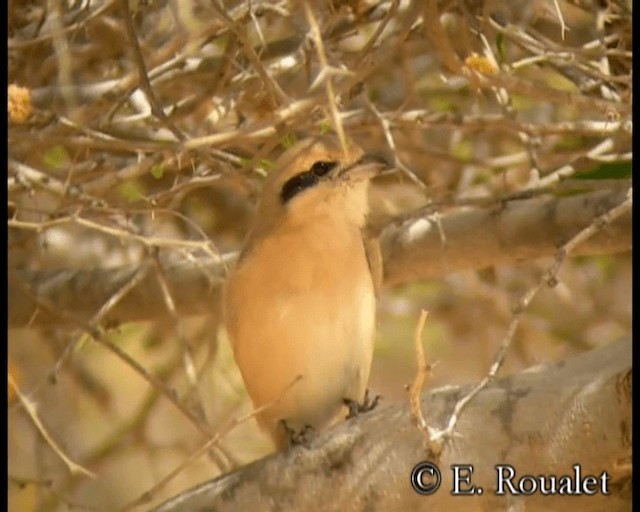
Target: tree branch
{"points": [[517, 231], [415, 249], [541, 421]]}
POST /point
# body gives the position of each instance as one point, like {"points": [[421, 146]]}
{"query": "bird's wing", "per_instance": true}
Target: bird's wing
{"points": [[374, 258]]}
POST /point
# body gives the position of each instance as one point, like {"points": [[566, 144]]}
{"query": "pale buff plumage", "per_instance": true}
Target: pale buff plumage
{"points": [[300, 304]]}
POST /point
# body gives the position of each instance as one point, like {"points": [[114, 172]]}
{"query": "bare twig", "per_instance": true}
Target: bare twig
{"points": [[397, 163], [423, 371], [147, 241], [31, 410], [199, 452], [142, 72], [325, 75]]}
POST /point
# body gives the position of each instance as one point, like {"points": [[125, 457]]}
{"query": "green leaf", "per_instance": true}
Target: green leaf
{"points": [[157, 171], [266, 164], [131, 191], [502, 51], [463, 150], [222, 41], [443, 104], [288, 140], [570, 142], [325, 128], [608, 171], [56, 157]]}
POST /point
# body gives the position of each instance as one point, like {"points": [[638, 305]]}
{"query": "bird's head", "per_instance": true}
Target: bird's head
{"points": [[315, 178]]}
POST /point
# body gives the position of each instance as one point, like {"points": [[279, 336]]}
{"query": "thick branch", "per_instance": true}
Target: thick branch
{"points": [[512, 232], [542, 422], [467, 239], [36, 296]]}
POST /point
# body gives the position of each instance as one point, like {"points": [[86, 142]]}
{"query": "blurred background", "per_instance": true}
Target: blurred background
{"points": [[139, 136]]}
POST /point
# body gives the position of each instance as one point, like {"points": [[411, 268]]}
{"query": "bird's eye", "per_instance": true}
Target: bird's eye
{"points": [[322, 167]]}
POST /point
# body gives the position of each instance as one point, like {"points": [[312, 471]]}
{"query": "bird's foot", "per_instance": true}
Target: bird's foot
{"points": [[356, 407], [298, 437]]}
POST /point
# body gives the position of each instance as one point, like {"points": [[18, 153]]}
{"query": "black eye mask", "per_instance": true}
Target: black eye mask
{"points": [[305, 180]]}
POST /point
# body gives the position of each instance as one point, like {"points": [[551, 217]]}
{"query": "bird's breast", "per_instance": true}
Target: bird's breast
{"points": [[301, 315]]}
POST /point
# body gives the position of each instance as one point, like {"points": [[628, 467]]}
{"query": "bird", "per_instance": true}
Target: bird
{"points": [[300, 303]]}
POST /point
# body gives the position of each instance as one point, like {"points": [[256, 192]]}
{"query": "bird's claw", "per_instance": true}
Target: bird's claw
{"points": [[356, 407], [298, 437]]}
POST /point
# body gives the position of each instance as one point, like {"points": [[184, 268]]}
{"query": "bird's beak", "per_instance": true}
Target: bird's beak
{"points": [[367, 167]]}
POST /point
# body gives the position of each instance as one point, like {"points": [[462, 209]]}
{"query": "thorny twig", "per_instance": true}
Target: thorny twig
{"points": [[440, 437]]}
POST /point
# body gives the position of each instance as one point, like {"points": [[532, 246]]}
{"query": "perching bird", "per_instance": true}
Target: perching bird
{"points": [[300, 303]]}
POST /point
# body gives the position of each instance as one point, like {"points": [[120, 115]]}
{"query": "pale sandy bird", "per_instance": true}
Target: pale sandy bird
{"points": [[300, 303]]}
